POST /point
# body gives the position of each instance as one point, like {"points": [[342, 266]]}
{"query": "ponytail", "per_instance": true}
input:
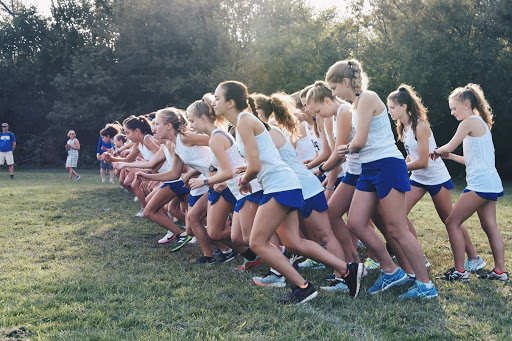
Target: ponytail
{"points": [[405, 94], [475, 95], [351, 69], [176, 117], [140, 122]]}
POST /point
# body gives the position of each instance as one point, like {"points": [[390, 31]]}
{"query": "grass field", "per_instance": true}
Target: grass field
{"points": [[75, 264]]}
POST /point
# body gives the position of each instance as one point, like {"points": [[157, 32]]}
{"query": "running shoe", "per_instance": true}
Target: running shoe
{"points": [[371, 264], [421, 290], [330, 278], [492, 275], [217, 252], [182, 241], [473, 265], [427, 263], [111, 181], [411, 281], [338, 285], [168, 237], [359, 244], [386, 281], [301, 295], [140, 214], [270, 280], [354, 277], [193, 240], [454, 275], [204, 260], [249, 265], [77, 178], [311, 264], [103, 181], [224, 258]]}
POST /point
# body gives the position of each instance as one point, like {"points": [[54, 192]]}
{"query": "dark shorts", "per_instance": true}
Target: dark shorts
{"points": [[433, 189], [292, 198], [487, 195], [106, 165], [214, 196], [254, 197], [178, 187], [192, 199], [317, 202], [350, 179], [383, 175]]}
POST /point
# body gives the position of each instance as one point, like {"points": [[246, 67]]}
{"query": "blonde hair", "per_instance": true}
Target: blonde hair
{"points": [[71, 132], [405, 94], [176, 117], [318, 92], [203, 107], [475, 95], [351, 69]]}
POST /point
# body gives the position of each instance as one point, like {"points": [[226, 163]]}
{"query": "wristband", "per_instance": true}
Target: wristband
{"points": [[320, 168], [348, 150], [331, 188], [435, 153]]}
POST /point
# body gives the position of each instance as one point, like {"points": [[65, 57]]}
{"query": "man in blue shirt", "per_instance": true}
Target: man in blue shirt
{"points": [[7, 146]]}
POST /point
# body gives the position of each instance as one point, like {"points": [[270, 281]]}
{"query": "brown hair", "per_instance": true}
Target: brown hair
{"points": [[140, 122], [318, 92], [475, 95], [111, 130], [302, 94], [281, 105], [203, 107], [176, 117], [351, 69], [405, 94]]}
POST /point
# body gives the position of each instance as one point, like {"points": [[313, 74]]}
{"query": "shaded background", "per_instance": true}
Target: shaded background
{"points": [[93, 62]]}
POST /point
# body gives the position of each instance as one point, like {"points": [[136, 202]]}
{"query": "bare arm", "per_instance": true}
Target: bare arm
{"points": [[155, 160], [422, 136], [326, 150], [344, 127]]}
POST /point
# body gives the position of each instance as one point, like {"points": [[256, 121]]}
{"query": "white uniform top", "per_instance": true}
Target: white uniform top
{"points": [[435, 173], [305, 150], [274, 175], [481, 173], [315, 140], [236, 161], [311, 186], [148, 155], [353, 163], [195, 192], [334, 135], [381, 141], [196, 157]]}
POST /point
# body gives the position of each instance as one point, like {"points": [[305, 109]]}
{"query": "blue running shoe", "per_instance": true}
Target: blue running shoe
{"points": [[385, 281], [338, 285], [270, 280], [420, 290], [311, 264]]}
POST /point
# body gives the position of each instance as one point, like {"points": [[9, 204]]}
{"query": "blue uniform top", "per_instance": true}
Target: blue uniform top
{"points": [[6, 140], [103, 144]]}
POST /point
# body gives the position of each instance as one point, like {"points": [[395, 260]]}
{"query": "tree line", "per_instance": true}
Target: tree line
{"points": [[96, 61]]}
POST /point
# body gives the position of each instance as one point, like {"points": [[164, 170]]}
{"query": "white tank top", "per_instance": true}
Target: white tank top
{"points": [[334, 135], [305, 150], [274, 175], [311, 186], [381, 141], [315, 140], [196, 157], [168, 158], [481, 173], [236, 161], [353, 163], [148, 155], [435, 173]]}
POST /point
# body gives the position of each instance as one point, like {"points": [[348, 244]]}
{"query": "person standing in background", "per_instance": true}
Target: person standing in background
{"points": [[7, 146]]}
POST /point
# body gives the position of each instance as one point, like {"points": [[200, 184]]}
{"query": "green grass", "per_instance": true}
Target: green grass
{"points": [[72, 270]]}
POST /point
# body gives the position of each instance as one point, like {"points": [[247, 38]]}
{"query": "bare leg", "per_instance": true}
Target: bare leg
{"points": [[159, 199], [195, 217]]}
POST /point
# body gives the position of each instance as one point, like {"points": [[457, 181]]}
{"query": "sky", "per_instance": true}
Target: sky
{"points": [[44, 5]]}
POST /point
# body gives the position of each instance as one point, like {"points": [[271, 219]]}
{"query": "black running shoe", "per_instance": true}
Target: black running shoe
{"points": [[299, 295], [354, 277], [224, 258], [182, 241], [454, 275], [330, 278]]}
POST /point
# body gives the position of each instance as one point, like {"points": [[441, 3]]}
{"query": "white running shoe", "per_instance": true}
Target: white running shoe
{"points": [[193, 240], [111, 181], [140, 214], [473, 265], [168, 237], [103, 181]]}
